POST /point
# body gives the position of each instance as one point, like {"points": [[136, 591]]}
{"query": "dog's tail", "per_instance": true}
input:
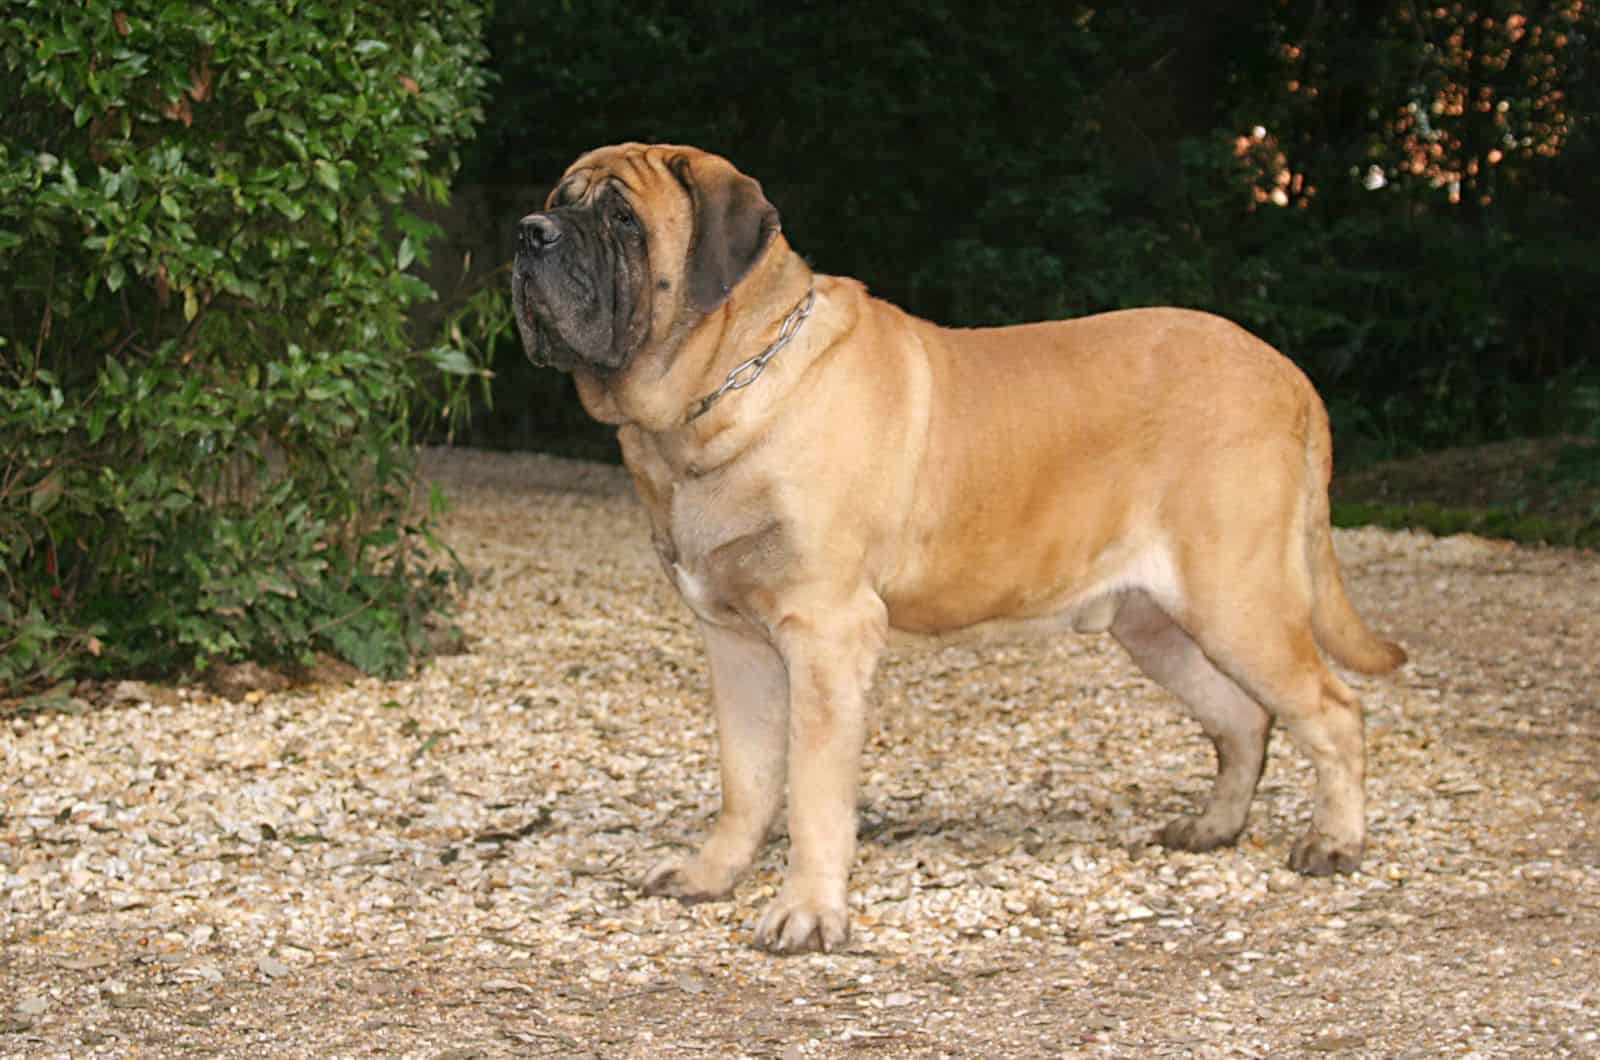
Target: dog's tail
{"points": [[1338, 629]]}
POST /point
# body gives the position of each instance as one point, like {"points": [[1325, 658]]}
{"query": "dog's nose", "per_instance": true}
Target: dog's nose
{"points": [[538, 232]]}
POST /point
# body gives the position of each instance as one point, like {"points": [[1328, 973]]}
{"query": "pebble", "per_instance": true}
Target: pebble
{"points": [[273, 968]]}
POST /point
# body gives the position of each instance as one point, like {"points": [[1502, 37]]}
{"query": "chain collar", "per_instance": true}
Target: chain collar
{"points": [[749, 371]]}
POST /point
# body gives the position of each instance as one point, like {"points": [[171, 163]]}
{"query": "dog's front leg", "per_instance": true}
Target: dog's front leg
{"points": [[751, 696], [830, 654]]}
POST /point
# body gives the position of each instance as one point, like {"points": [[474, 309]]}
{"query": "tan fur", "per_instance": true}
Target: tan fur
{"points": [[1158, 473]]}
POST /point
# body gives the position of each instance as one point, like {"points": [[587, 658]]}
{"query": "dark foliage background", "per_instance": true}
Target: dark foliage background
{"points": [[1432, 263]]}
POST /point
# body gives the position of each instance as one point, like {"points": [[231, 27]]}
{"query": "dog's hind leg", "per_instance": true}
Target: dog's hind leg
{"points": [[1237, 725], [1253, 621]]}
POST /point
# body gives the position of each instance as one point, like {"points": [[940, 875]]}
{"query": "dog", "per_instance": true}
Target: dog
{"points": [[821, 468]]}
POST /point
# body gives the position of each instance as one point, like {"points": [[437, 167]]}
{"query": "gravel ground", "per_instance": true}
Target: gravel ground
{"points": [[446, 866]]}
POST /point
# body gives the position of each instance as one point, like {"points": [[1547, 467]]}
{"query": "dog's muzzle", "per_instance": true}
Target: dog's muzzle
{"points": [[536, 235], [554, 295]]}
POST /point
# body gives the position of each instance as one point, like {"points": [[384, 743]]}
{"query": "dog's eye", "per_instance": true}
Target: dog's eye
{"points": [[623, 218]]}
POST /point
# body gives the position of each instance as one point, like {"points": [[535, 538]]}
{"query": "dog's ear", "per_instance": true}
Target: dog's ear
{"points": [[733, 224]]}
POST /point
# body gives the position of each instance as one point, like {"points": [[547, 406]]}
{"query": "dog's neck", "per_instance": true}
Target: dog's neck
{"points": [[666, 393], [746, 372]]}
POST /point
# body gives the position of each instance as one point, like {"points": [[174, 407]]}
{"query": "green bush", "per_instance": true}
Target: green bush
{"points": [[207, 376]]}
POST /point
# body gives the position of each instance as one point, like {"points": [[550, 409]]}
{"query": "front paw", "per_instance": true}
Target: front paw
{"points": [[794, 923], [689, 880]]}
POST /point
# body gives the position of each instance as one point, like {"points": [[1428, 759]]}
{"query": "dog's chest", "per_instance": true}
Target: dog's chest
{"points": [[718, 535], [700, 582], [701, 545]]}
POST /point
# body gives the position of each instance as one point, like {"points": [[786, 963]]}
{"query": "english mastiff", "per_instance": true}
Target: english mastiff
{"points": [[821, 468]]}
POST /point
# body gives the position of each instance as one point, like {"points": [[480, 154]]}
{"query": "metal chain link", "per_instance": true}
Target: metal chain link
{"points": [[746, 372]]}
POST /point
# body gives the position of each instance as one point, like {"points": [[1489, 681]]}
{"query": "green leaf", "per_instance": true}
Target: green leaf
{"points": [[46, 494], [453, 362], [407, 253], [438, 502], [327, 174], [296, 144]]}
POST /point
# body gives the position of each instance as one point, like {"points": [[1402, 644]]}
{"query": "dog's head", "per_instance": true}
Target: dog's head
{"points": [[637, 243]]}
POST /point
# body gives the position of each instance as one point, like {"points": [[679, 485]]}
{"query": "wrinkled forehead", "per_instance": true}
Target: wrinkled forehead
{"points": [[638, 171], [579, 184]]}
